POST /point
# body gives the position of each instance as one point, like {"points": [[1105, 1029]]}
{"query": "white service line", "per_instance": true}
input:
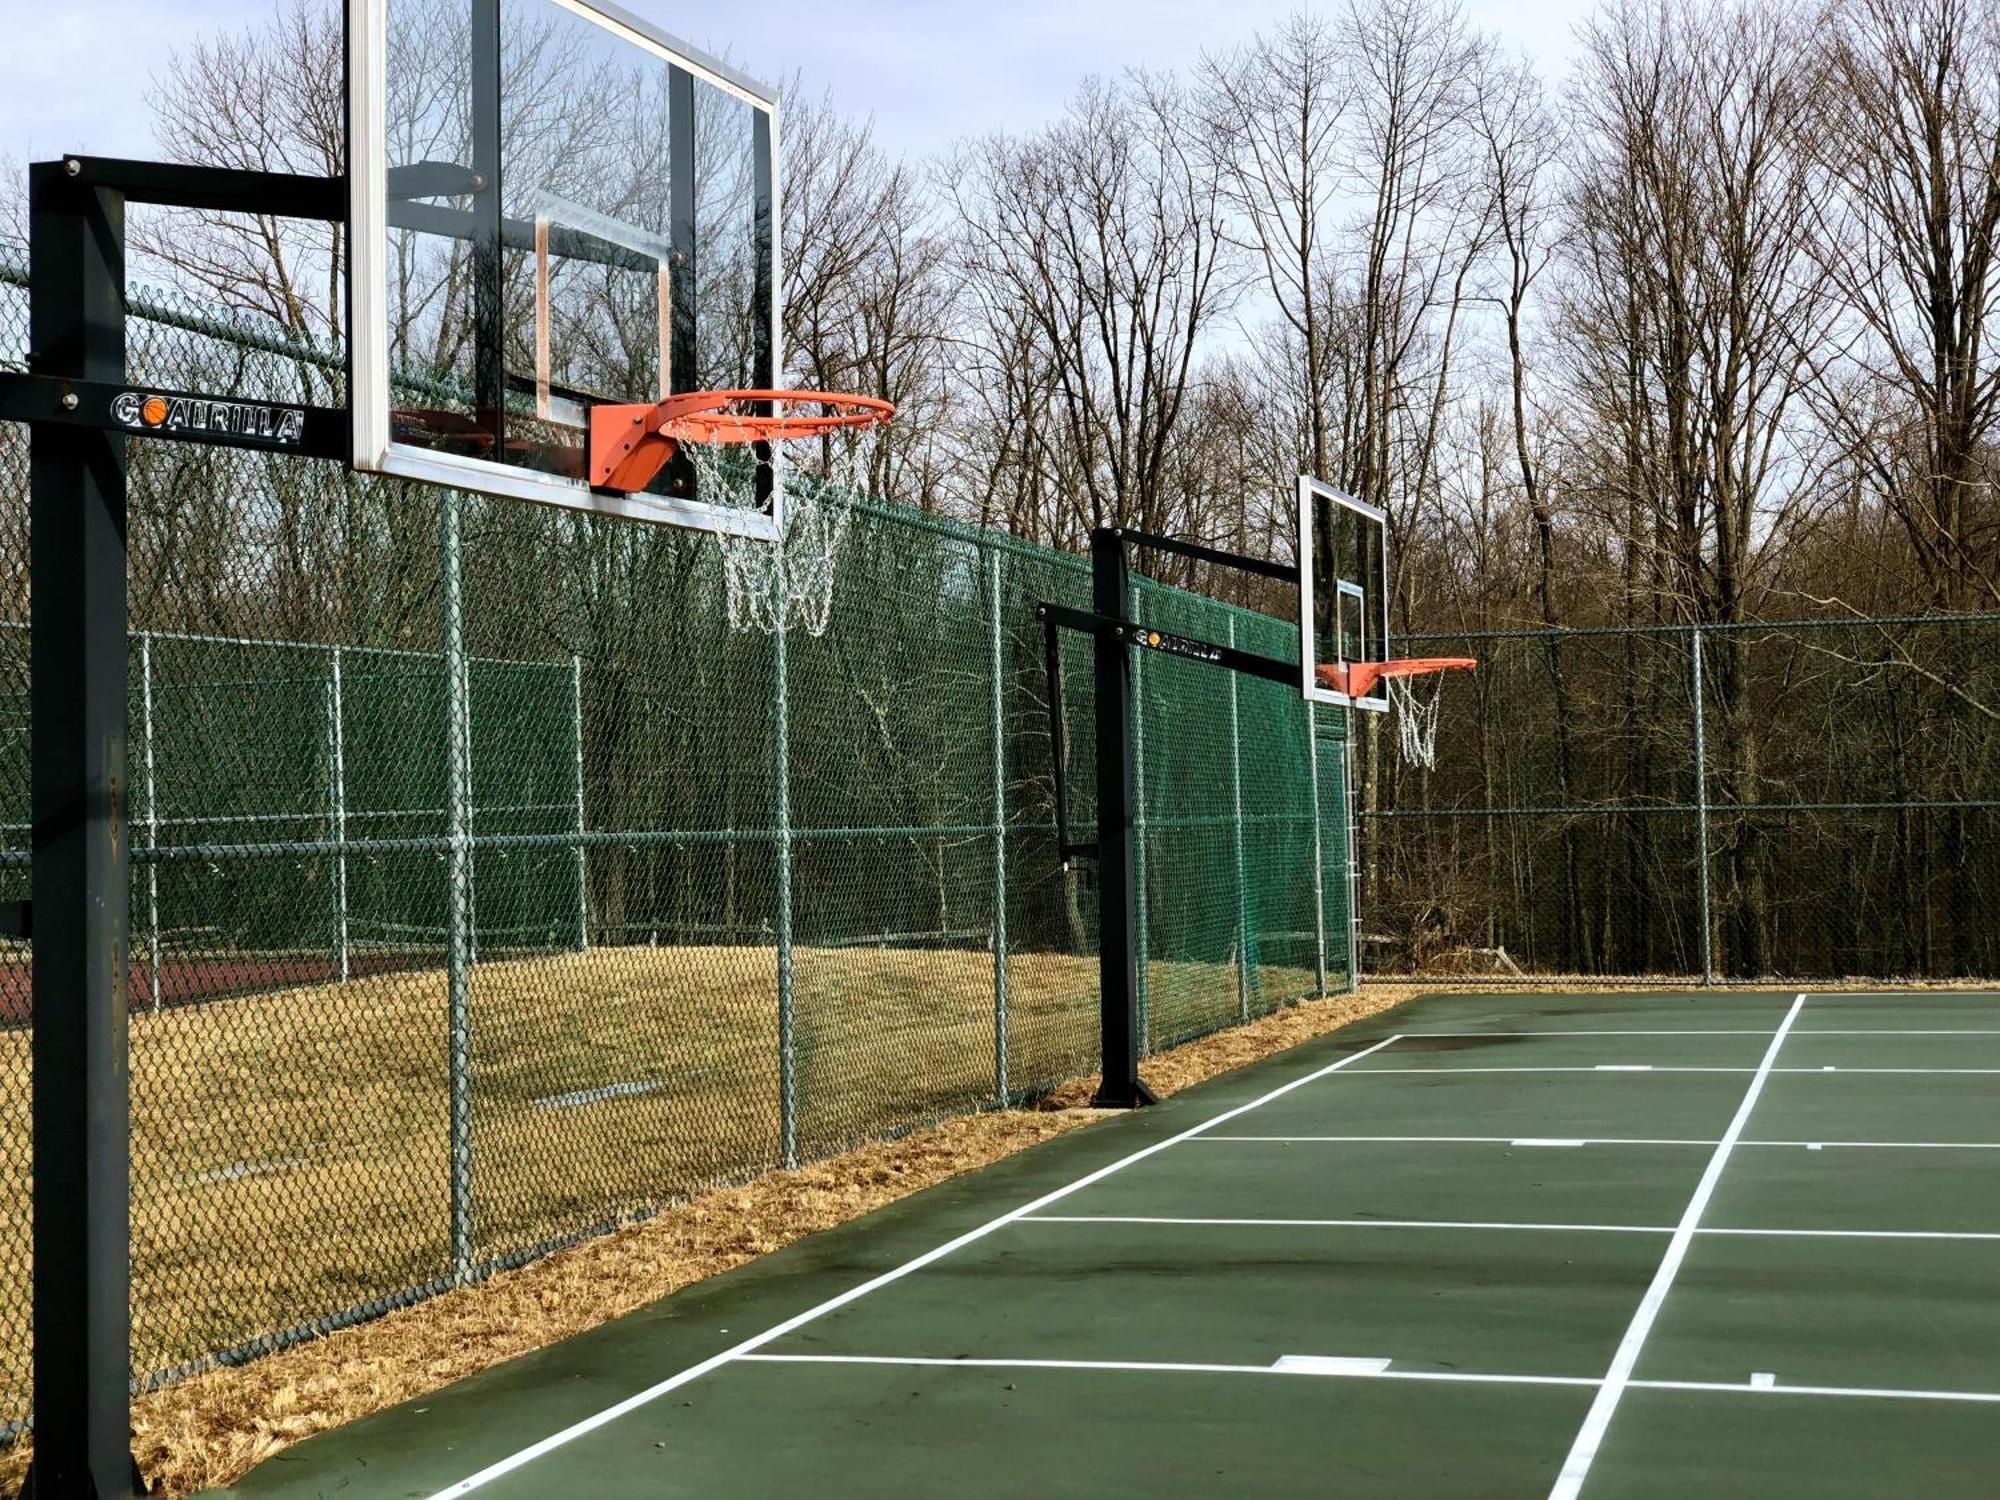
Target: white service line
{"points": [[1343, 1370], [1726, 1031], [1947, 998], [1883, 1145], [750, 1345], [1346, 1369], [1743, 1232], [1327, 1364], [1572, 1068], [1583, 1452], [1656, 1068], [1847, 1068], [1613, 1140], [1351, 1223], [1759, 1031], [1445, 1140]]}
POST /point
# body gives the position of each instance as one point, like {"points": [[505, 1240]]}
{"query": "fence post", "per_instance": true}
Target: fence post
{"points": [[1236, 841], [336, 744], [152, 818], [1319, 854], [1144, 928], [458, 907], [781, 752], [582, 825], [1701, 819], [997, 708], [1350, 847]]}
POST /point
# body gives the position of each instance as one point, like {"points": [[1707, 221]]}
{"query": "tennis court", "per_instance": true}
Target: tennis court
{"points": [[1564, 1245]]}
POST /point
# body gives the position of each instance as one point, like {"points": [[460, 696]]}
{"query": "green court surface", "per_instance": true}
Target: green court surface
{"points": [[1481, 1246]]}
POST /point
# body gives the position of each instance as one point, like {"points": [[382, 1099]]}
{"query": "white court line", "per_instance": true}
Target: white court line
{"points": [[1653, 1067], [1848, 1068], [1327, 1364], [748, 1346], [1948, 997], [1352, 1370], [1762, 1031], [1446, 1140], [1728, 1031], [1612, 1140], [1448, 1072], [1883, 1145], [1350, 1223], [1766, 1232], [1572, 1068], [1588, 1438], [1345, 1370], [1861, 1392]]}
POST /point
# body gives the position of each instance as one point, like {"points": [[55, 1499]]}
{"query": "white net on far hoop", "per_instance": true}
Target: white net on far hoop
{"points": [[1415, 702], [789, 581]]}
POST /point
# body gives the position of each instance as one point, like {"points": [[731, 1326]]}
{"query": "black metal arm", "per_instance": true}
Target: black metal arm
{"points": [[1057, 618]]}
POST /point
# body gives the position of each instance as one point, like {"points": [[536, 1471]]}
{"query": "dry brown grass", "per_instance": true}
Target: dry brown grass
{"points": [[291, 1149], [208, 1430]]}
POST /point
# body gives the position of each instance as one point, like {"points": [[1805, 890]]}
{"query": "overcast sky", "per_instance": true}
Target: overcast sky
{"points": [[73, 75]]}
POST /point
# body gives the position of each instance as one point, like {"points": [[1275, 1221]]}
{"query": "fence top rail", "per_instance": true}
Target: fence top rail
{"points": [[166, 309], [400, 653], [1715, 627]]}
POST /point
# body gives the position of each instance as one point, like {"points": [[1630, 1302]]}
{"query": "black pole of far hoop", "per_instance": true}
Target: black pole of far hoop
{"points": [[1117, 833]]}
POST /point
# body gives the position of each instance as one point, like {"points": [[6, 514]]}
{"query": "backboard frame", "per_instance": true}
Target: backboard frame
{"points": [[1311, 494], [370, 396]]}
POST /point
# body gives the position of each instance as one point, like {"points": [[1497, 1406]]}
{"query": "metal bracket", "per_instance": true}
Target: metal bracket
{"points": [[1056, 618], [1067, 850], [230, 190]]}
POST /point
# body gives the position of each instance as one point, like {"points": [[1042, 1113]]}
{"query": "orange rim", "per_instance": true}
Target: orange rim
{"points": [[711, 416], [1356, 678]]}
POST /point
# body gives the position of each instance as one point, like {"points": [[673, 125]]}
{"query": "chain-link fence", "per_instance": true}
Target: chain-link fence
{"points": [[488, 891], [1807, 800]]}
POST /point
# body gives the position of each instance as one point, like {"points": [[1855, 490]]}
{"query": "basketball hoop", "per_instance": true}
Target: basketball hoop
{"points": [[1415, 689], [766, 583]]}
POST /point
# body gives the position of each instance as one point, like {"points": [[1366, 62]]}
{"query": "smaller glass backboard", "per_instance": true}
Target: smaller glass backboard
{"points": [[1343, 593], [553, 206]]}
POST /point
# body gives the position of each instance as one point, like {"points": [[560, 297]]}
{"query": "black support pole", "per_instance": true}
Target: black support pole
{"points": [[82, 1356], [489, 272], [683, 235], [1117, 833]]}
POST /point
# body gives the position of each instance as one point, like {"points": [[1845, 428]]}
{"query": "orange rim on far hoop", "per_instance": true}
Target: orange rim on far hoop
{"points": [[1356, 679], [629, 445]]}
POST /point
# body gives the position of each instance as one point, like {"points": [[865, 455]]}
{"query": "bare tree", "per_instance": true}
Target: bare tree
{"points": [[1521, 147], [1908, 136], [1697, 315], [1272, 114], [868, 296], [269, 100], [1104, 233]]}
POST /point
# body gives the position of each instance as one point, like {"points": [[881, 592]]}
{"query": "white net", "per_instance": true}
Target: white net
{"points": [[790, 581], [1415, 702]]}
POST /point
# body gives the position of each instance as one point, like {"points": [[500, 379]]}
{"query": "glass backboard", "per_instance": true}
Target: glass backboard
{"points": [[554, 206], [1343, 593]]}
